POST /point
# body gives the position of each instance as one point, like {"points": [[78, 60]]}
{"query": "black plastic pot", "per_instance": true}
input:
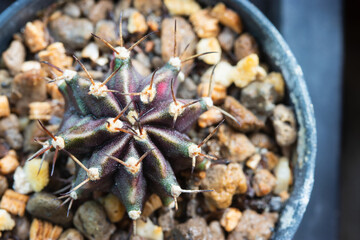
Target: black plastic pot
{"points": [[280, 58]]}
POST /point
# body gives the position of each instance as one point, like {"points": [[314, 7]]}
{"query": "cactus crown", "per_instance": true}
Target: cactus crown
{"points": [[128, 131]]}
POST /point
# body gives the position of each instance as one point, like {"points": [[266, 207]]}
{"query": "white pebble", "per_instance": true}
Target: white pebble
{"points": [[6, 222], [21, 183], [149, 230], [222, 74], [30, 65], [283, 176], [209, 45], [91, 51]]}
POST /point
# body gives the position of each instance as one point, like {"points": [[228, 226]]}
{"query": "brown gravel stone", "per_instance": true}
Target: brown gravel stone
{"points": [[33, 131], [114, 209], [239, 146], [3, 184], [226, 181], [140, 67], [226, 39], [277, 80], [245, 45], [9, 163], [227, 17], [210, 117], [105, 29], [166, 220], [22, 228], [10, 122], [261, 140], [40, 110], [259, 97], [151, 205], [73, 33], [42, 230], [216, 231], [121, 7], [137, 23], [247, 121], [204, 24], [56, 55], [29, 87], [4, 107], [86, 5], [218, 93], [14, 56], [253, 226], [100, 10], [147, 6], [253, 161], [230, 219], [263, 182], [53, 90], [35, 36], [184, 36], [14, 202], [214, 148], [285, 125], [270, 159], [10, 131]]}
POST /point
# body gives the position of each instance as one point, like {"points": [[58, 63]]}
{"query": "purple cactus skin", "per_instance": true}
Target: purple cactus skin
{"points": [[128, 132]]}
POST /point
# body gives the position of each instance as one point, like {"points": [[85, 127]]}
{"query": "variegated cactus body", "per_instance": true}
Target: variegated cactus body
{"points": [[128, 132]]}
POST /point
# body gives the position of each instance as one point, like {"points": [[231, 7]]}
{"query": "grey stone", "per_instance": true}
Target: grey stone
{"points": [[74, 33], [259, 97], [22, 228], [9, 129], [46, 206], [90, 219], [14, 138], [71, 234], [194, 229], [72, 10]]}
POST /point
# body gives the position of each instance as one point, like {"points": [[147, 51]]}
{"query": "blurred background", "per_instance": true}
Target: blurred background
{"points": [[324, 36]]}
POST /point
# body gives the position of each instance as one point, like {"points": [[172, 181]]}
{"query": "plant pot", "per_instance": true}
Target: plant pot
{"points": [[280, 59]]}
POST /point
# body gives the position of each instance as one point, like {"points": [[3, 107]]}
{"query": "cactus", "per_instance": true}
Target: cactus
{"points": [[128, 132]]}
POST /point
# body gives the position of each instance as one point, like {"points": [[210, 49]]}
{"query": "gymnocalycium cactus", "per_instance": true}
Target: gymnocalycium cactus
{"points": [[128, 131]]}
